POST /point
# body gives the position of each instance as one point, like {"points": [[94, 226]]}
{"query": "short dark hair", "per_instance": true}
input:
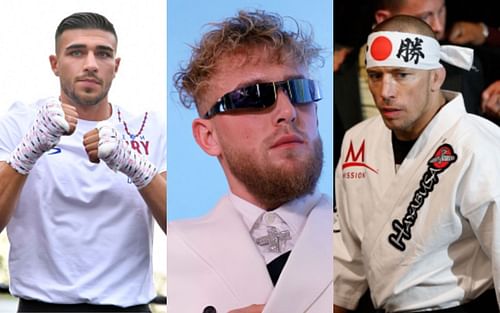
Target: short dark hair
{"points": [[85, 20]]}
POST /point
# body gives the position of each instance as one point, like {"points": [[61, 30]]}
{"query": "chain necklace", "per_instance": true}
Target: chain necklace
{"points": [[133, 136]]}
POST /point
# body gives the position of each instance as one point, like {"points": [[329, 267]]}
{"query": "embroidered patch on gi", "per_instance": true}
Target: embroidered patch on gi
{"points": [[356, 159], [440, 161]]}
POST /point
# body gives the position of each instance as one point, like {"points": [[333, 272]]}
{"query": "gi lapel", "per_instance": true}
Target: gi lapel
{"points": [[223, 241], [395, 201], [309, 270], [394, 219]]}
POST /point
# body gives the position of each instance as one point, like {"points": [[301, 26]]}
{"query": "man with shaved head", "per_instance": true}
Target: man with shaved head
{"points": [[417, 208], [352, 98]]}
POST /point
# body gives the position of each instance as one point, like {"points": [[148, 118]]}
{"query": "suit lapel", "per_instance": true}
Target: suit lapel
{"points": [[224, 243], [309, 270]]}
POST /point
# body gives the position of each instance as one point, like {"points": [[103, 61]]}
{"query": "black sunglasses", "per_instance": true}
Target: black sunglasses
{"points": [[263, 95]]}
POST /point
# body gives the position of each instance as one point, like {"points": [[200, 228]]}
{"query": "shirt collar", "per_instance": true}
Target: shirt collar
{"points": [[294, 213]]}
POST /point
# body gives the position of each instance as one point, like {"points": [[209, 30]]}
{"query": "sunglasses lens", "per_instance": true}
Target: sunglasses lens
{"points": [[303, 91], [253, 97], [263, 95]]}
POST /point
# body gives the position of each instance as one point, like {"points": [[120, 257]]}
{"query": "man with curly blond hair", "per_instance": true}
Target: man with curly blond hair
{"points": [[267, 245]]}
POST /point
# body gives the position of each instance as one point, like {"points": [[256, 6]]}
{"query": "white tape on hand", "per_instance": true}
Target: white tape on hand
{"points": [[108, 141], [47, 128], [119, 156]]}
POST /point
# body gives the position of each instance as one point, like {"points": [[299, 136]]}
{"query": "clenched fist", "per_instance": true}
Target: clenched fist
{"points": [[105, 143], [52, 121]]}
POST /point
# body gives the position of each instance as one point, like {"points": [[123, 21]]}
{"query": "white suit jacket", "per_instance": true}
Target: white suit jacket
{"points": [[213, 261]]}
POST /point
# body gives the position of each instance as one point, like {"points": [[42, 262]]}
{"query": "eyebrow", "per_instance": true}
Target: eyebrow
{"points": [[249, 83], [82, 46]]}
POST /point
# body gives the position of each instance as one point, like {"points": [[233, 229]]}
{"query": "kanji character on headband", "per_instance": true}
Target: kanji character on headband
{"points": [[401, 49]]}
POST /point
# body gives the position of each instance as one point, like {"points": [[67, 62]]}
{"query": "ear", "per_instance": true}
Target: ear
{"points": [[437, 78], [206, 136], [381, 15], [316, 111], [117, 64], [53, 64]]}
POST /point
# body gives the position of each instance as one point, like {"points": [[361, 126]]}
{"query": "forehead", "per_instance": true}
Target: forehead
{"points": [[418, 7], [393, 70], [86, 37], [255, 66], [242, 69]]}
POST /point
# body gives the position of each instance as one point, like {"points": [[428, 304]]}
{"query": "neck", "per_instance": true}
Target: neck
{"points": [[419, 126], [244, 194], [94, 112]]}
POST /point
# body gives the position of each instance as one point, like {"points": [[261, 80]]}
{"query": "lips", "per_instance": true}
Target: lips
{"points": [[389, 112], [287, 140], [89, 81]]}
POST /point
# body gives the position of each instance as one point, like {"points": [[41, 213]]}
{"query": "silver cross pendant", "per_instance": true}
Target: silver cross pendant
{"points": [[275, 239]]}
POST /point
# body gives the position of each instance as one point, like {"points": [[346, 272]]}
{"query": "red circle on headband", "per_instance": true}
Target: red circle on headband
{"points": [[381, 48]]}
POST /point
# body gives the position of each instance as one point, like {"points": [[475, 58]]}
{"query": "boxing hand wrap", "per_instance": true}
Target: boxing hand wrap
{"points": [[45, 132], [119, 156]]}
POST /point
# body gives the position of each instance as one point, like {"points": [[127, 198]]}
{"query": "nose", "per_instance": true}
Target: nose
{"points": [[90, 63], [437, 26], [387, 88], [285, 111]]}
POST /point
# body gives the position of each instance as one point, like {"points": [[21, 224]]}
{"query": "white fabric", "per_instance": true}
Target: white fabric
{"points": [[399, 49], [213, 261], [293, 215], [81, 233], [459, 56], [452, 252]]}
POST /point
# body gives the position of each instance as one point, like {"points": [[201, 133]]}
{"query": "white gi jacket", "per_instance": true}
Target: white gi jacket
{"points": [[213, 261], [428, 235]]}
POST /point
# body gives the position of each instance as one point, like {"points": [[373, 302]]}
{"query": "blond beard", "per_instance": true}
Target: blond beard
{"points": [[274, 186]]}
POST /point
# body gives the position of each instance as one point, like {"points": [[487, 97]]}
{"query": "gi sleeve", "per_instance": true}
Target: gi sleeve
{"points": [[479, 200], [349, 275]]}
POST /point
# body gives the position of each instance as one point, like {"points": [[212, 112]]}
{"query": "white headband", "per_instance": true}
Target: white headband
{"points": [[409, 50]]}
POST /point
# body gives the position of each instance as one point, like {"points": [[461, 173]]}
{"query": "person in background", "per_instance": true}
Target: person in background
{"points": [[479, 34]]}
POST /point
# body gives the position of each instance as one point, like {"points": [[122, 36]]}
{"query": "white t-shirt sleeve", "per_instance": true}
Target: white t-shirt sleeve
{"points": [[13, 126]]}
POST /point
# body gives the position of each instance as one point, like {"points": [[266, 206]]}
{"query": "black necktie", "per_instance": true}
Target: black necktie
{"points": [[276, 266]]}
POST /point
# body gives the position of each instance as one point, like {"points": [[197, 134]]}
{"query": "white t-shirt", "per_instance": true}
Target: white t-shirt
{"points": [[82, 233]]}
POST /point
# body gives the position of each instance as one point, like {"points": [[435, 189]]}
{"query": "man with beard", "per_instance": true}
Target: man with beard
{"points": [[250, 82], [81, 230]]}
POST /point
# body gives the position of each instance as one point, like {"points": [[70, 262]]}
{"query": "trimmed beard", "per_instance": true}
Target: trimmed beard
{"points": [[275, 186], [70, 92]]}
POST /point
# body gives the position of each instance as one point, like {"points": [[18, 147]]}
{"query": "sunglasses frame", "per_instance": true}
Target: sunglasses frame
{"points": [[295, 89]]}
